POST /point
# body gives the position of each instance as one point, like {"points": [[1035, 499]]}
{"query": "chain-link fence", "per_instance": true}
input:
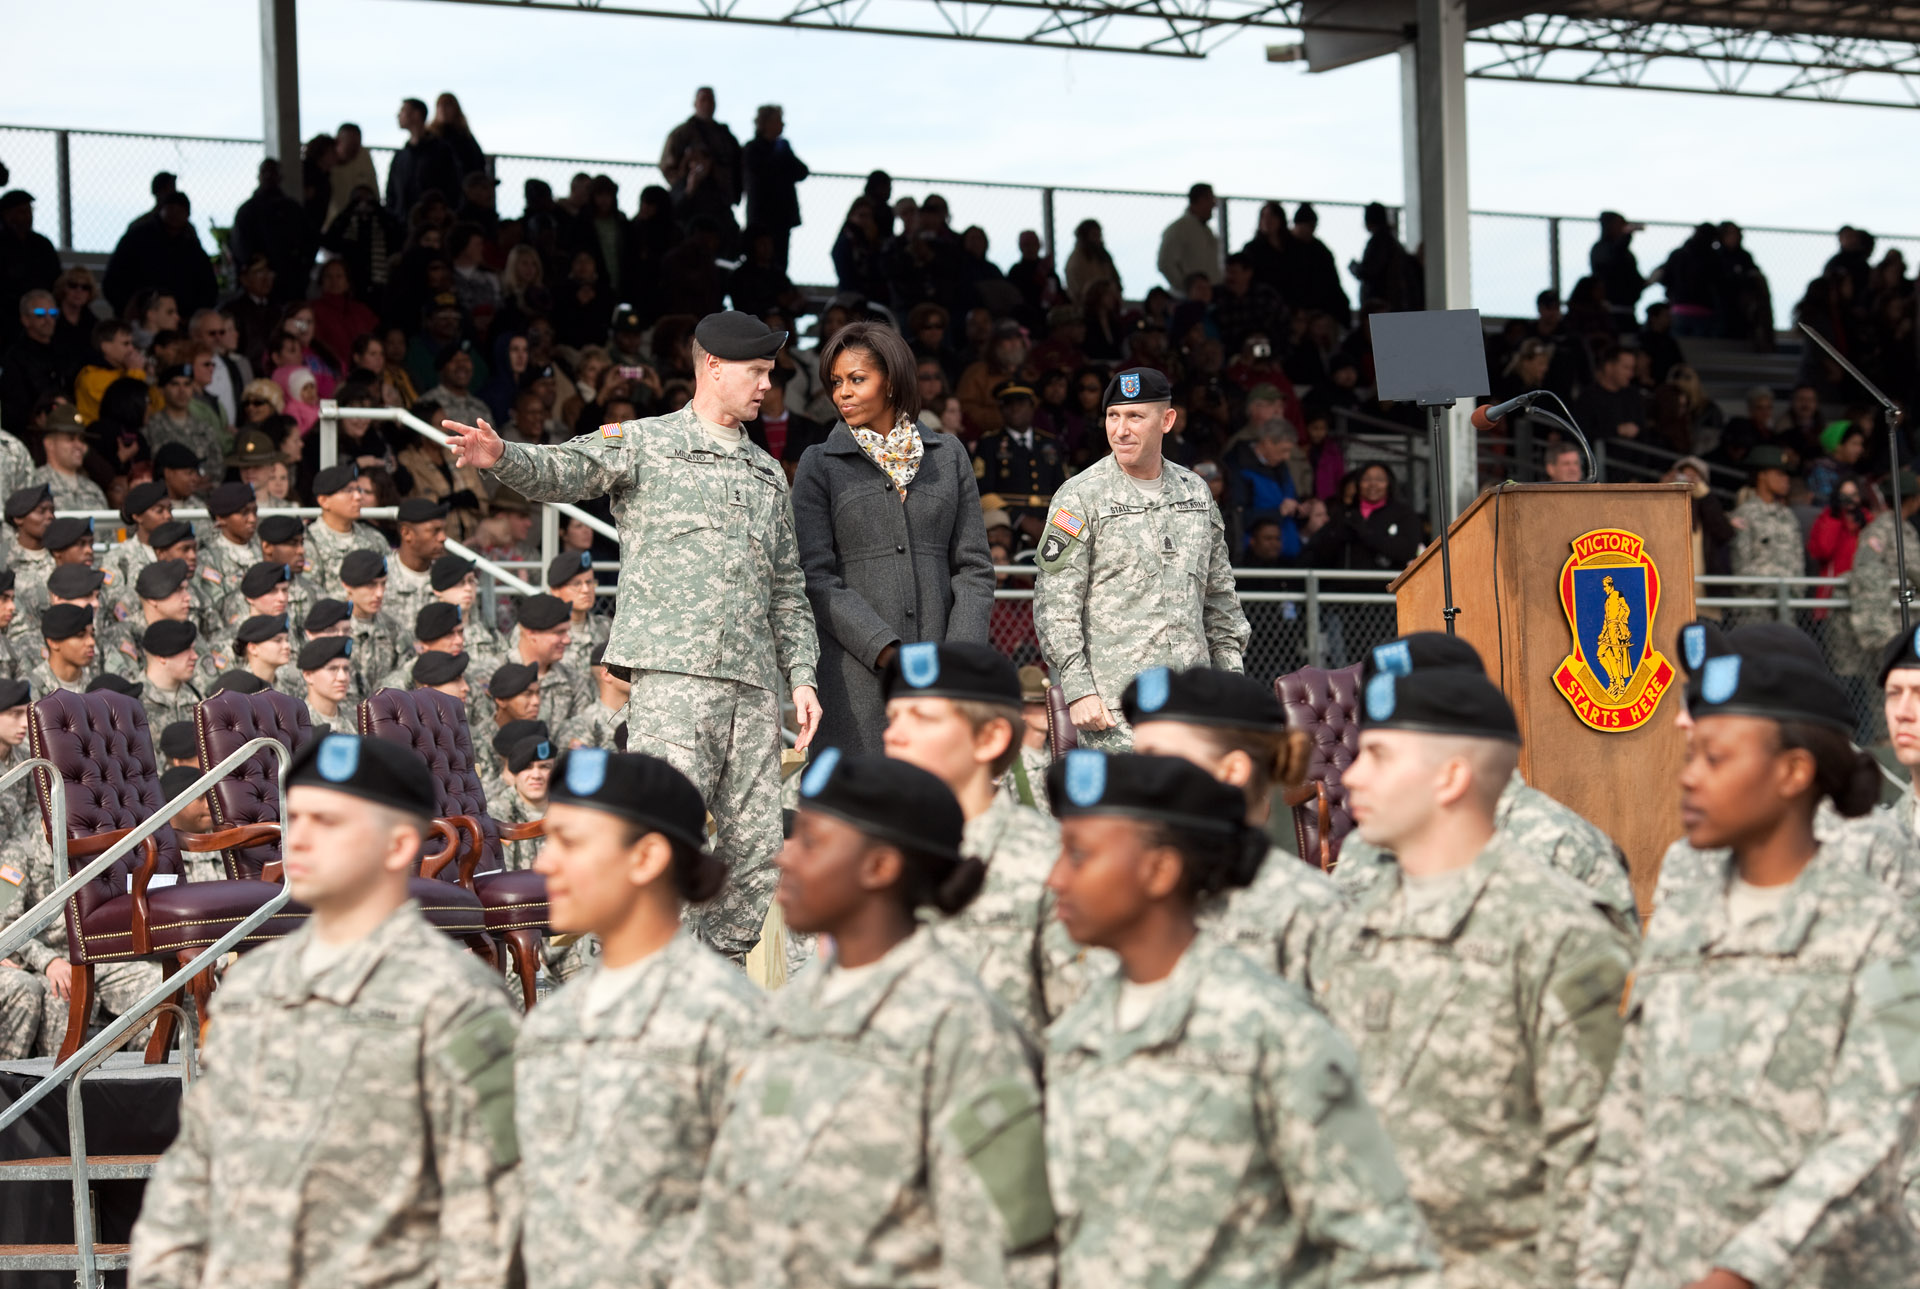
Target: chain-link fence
{"points": [[92, 183]]}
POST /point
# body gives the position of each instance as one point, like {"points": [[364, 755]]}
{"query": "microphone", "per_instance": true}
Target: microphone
{"points": [[1485, 418]]}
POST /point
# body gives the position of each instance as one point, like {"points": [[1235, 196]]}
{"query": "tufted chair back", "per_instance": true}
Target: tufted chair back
{"points": [[1327, 705], [250, 794], [105, 755], [435, 725]]}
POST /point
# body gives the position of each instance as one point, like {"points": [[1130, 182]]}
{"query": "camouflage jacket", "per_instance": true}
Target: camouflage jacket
{"points": [[1767, 540], [232, 561], [1128, 581], [618, 1114], [1487, 1021], [1031, 771], [393, 1063], [379, 645], [1764, 1094], [70, 491], [408, 592], [325, 549], [886, 1134], [710, 580], [165, 709], [585, 638], [200, 431], [591, 726], [1872, 587], [1277, 917], [1876, 845], [1224, 1142]]}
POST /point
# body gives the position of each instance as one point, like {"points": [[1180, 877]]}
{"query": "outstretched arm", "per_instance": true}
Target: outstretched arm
{"points": [[586, 466]]}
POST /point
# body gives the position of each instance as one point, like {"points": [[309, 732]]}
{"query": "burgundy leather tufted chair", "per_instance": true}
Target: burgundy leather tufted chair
{"points": [[514, 903], [1062, 737], [101, 745], [1327, 705]]}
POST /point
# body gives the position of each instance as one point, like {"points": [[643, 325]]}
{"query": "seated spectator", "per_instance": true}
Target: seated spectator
{"points": [[31, 367], [454, 393], [365, 237], [444, 324], [326, 366], [1260, 482], [1612, 408], [690, 280], [1847, 446], [511, 355], [215, 331], [859, 262], [1323, 452], [1757, 423], [253, 308], [1243, 306], [1266, 543], [80, 309], [1002, 362], [1563, 463], [1066, 332], [338, 318], [1104, 320], [761, 282], [114, 357], [1834, 538], [150, 313], [475, 285], [1658, 344], [1376, 531]]}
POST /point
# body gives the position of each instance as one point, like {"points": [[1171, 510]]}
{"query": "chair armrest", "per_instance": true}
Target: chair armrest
{"points": [[1326, 826], [229, 838], [448, 833], [528, 831], [476, 847], [142, 937], [1299, 796]]}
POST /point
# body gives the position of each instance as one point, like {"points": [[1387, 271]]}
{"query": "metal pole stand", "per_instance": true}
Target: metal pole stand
{"points": [[1442, 519]]}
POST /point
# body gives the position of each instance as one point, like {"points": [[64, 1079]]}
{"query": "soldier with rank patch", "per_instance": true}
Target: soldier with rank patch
{"points": [[637, 1055], [1133, 567], [1481, 986], [232, 546], [1205, 1126], [167, 688], [326, 668], [338, 529], [355, 1123]]}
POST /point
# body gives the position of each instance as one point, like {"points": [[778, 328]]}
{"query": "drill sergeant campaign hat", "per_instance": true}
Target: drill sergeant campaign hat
{"points": [[387, 774], [634, 786], [1201, 696], [955, 669]]}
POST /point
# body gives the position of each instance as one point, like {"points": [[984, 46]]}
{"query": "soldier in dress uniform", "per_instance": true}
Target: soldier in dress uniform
{"points": [[67, 630], [1480, 985], [446, 672], [232, 546], [659, 1022], [1020, 464], [379, 643], [338, 529], [713, 619], [593, 726], [423, 539], [570, 578], [167, 688], [326, 667], [1133, 567], [355, 1121]]}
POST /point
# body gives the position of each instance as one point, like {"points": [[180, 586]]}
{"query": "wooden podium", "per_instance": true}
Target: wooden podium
{"points": [[1511, 553]]}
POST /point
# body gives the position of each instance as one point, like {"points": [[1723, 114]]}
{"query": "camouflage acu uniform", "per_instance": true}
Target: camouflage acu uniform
{"points": [[15, 660], [1767, 542], [1008, 936], [1876, 845], [198, 433], [586, 637], [30, 568], [354, 1126], [1873, 617], [326, 548], [23, 993], [408, 592], [232, 561], [1764, 1094], [1026, 779], [70, 491], [1130, 581], [164, 709], [713, 622], [1224, 1142], [23, 999], [123, 563], [590, 727], [16, 468], [887, 1133], [1487, 1020], [1557, 836], [516, 809], [44, 682], [1276, 918], [626, 1094], [379, 645]]}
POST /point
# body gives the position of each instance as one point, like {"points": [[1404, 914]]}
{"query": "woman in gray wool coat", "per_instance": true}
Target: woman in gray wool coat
{"points": [[890, 533]]}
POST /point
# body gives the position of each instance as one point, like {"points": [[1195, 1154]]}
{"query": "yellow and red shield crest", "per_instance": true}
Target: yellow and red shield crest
{"points": [[1610, 589]]}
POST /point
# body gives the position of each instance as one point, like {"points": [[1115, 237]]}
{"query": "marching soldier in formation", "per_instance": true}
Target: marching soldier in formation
{"points": [[364, 1045], [713, 622], [953, 711], [1133, 567], [637, 1055], [338, 529], [423, 539], [1480, 986], [1205, 1126], [1021, 465]]}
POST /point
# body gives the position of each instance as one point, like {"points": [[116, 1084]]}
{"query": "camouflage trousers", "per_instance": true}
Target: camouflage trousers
{"points": [[117, 986], [22, 1000], [1117, 739], [725, 736]]}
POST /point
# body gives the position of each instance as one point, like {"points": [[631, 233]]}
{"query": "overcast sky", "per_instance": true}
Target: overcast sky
{"points": [[581, 84]]}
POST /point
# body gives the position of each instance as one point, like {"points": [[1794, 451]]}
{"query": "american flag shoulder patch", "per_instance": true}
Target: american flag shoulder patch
{"points": [[1068, 522], [612, 430]]}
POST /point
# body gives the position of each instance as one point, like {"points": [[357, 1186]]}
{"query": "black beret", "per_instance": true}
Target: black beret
{"points": [[1138, 385], [64, 621], [62, 533], [1902, 652], [450, 351], [178, 780], [175, 456], [240, 682], [1776, 637], [324, 614], [534, 747], [1166, 789], [512, 679], [435, 667], [564, 568], [544, 612], [25, 501], [1781, 687], [13, 693], [74, 581], [735, 337], [362, 567], [971, 672], [1421, 651], [160, 579], [6, 581], [167, 639], [230, 499], [262, 578], [886, 799], [172, 372], [262, 627], [281, 529], [172, 533], [142, 497], [513, 731], [387, 774], [634, 786], [419, 510], [118, 684], [334, 478], [435, 620], [448, 571], [315, 654], [1462, 703], [178, 741], [1700, 641], [1201, 696]]}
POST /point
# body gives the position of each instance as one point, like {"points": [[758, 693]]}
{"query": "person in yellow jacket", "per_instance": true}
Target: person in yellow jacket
{"points": [[118, 357]]}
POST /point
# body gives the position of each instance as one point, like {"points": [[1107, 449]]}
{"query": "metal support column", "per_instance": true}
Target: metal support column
{"points": [[1047, 232], [280, 90], [1440, 126], [1410, 222], [63, 181]]}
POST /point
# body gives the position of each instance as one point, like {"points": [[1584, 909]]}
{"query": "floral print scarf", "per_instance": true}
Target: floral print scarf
{"points": [[898, 453]]}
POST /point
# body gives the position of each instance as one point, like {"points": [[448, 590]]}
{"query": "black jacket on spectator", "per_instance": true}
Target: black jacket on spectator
{"points": [[26, 264], [272, 224], [860, 265], [29, 369], [1389, 538], [254, 320], [882, 572], [583, 234], [150, 257], [418, 167], [772, 175], [367, 237], [1613, 262], [1601, 412], [1311, 280], [578, 321]]}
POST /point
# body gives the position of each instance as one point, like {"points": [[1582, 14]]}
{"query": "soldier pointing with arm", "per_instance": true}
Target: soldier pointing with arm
{"points": [[713, 617]]}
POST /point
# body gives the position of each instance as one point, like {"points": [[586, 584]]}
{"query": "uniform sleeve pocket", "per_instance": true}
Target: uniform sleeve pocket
{"points": [[1590, 993], [1001, 1135], [1890, 1000], [481, 1053]]}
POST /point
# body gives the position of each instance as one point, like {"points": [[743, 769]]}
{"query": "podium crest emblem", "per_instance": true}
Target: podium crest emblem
{"points": [[1610, 590]]}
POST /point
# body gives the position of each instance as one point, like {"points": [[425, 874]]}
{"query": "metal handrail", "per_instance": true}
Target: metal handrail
{"points": [[127, 1019]]}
